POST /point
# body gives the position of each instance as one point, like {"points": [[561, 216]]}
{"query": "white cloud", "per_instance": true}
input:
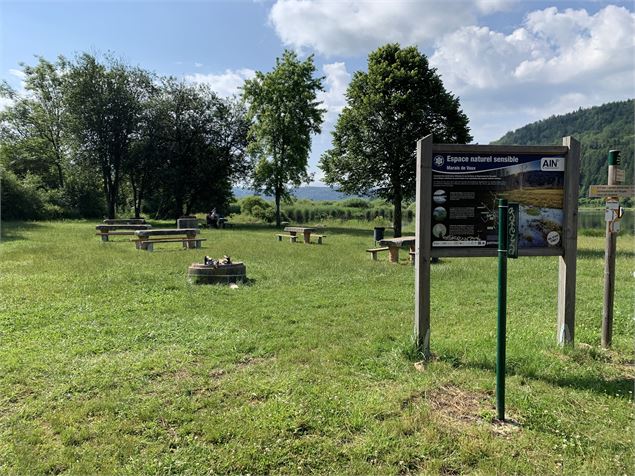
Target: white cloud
{"points": [[198, 65], [357, 26], [17, 73], [334, 97], [225, 84], [492, 6], [556, 62]]}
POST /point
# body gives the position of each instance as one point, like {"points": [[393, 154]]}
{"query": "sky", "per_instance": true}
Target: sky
{"points": [[511, 62]]}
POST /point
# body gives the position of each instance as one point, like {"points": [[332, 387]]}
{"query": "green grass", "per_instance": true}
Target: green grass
{"points": [[111, 362]]}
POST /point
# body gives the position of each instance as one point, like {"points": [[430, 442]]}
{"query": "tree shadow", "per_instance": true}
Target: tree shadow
{"points": [[14, 231], [621, 387]]}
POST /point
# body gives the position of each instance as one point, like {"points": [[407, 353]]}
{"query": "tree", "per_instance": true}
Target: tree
{"points": [[398, 101], [105, 102], [33, 129], [284, 110], [202, 140]]}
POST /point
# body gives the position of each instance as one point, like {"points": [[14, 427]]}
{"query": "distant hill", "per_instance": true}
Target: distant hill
{"points": [[599, 129], [310, 193]]}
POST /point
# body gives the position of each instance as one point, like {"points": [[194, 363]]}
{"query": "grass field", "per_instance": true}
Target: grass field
{"points": [[111, 362]]}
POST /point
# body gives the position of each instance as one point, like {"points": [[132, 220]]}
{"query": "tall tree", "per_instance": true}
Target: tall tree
{"points": [[284, 110], [33, 129], [201, 141], [399, 100], [105, 102]]}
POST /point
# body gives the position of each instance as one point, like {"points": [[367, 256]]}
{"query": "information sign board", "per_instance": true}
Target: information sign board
{"points": [[598, 191], [466, 185]]}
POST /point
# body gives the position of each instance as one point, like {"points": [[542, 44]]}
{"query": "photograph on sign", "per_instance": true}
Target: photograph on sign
{"points": [[465, 187]]}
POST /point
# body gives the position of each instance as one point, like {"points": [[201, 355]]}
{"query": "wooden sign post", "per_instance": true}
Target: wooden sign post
{"points": [[613, 213], [457, 189]]}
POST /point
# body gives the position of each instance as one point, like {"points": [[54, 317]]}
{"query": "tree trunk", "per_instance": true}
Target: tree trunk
{"points": [[397, 213], [111, 206], [278, 220], [60, 174], [137, 205]]}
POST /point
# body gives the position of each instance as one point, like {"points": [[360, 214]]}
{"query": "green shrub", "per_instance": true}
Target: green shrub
{"points": [[22, 199], [265, 214], [355, 203], [234, 209], [247, 204]]}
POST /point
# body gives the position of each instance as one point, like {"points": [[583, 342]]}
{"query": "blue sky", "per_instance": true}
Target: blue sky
{"points": [[511, 62]]}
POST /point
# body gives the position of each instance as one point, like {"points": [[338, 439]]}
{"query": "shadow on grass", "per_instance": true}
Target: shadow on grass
{"points": [[599, 254], [14, 231], [617, 387]]}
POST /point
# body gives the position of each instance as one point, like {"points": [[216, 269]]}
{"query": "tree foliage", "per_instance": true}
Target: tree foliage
{"points": [[202, 140], [33, 130], [105, 103], [88, 127], [399, 100], [285, 112]]}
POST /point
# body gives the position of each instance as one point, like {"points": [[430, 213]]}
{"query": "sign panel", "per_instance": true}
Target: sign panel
{"points": [[466, 185], [598, 191], [620, 175], [512, 230]]}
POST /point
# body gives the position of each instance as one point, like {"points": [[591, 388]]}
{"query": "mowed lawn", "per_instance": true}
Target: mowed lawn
{"points": [[111, 362]]}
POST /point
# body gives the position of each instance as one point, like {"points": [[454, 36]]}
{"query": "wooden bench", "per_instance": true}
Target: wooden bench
{"points": [[319, 238], [148, 244], [107, 230], [373, 252], [146, 239], [292, 238]]}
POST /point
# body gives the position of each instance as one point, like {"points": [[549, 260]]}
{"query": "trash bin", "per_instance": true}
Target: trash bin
{"points": [[379, 233]]}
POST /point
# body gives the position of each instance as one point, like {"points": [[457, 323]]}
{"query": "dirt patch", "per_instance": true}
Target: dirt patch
{"points": [[455, 404]]}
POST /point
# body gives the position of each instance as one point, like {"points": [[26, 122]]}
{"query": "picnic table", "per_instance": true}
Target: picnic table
{"points": [[146, 239], [306, 233], [107, 230], [394, 244]]}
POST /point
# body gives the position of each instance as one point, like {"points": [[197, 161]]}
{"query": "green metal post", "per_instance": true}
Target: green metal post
{"points": [[502, 308]]}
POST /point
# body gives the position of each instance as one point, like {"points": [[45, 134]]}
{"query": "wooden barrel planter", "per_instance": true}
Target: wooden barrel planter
{"points": [[200, 273]]}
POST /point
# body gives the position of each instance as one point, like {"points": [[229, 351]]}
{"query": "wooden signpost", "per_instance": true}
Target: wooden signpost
{"points": [[613, 214]]}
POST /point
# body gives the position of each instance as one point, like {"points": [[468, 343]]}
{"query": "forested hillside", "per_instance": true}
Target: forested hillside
{"points": [[599, 129]]}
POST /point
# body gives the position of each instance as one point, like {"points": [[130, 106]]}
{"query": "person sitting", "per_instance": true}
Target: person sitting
{"points": [[212, 218]]}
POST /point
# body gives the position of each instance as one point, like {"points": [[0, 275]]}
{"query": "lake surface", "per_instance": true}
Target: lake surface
{"points": [[594, 219]]}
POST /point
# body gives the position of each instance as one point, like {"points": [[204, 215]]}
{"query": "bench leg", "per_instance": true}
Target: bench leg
{"points": [[147, 246], [394, 254], [293, 238], [104, 238], [279, 237], [373, 255], [319, 240]]}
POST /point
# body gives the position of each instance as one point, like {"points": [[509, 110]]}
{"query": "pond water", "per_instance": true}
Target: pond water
{"points": [[594, 219]]}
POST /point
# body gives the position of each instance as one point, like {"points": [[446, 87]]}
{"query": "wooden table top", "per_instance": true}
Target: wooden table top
{"points": [[123, 227], [299, 229], [403, 240]]}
